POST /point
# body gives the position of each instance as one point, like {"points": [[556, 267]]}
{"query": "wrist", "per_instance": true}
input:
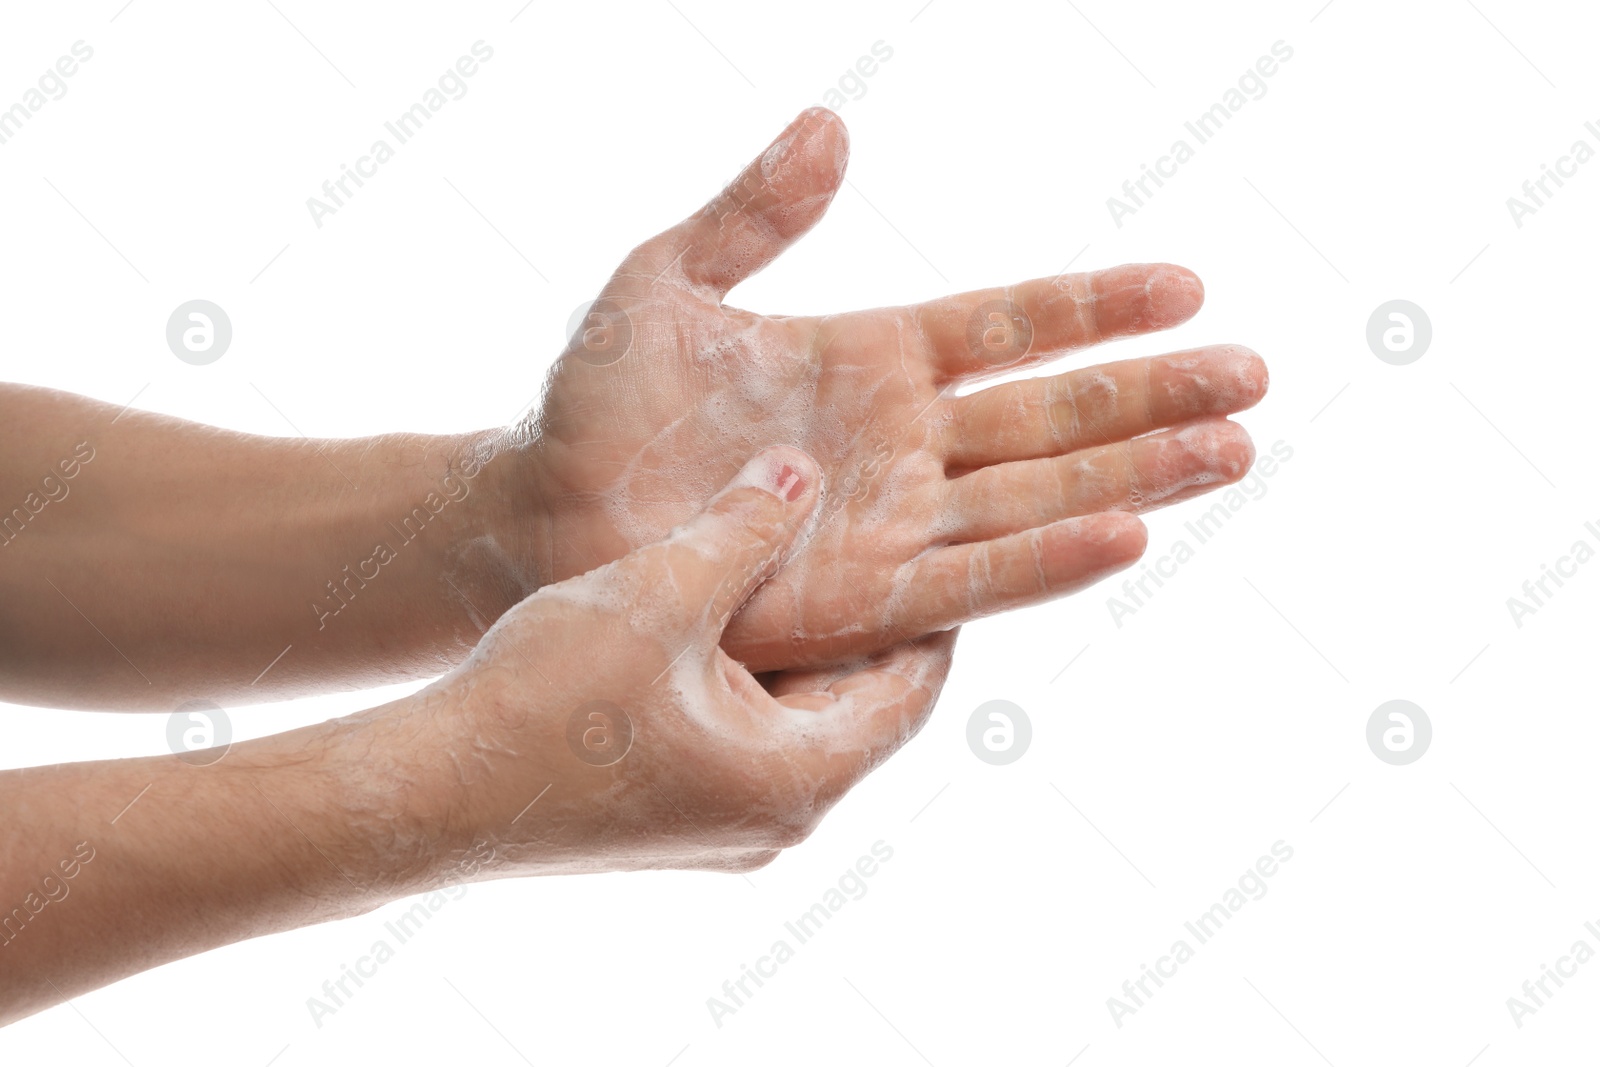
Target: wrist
{"points": [[389, 795], [506, 552]]}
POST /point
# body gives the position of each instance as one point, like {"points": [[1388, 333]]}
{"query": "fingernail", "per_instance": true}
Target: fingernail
{"points": [[789, 483], [780, 471]]}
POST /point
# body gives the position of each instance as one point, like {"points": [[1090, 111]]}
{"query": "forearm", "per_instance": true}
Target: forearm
{"points": [[110, 868], [145, 560]]}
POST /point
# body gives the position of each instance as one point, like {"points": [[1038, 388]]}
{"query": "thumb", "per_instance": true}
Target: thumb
{"points": [[780, 195], [710, 566]]}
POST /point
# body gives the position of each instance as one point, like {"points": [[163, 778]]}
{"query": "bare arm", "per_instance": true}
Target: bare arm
{"points": [[576, 699], [145, 560], [113, 867]]}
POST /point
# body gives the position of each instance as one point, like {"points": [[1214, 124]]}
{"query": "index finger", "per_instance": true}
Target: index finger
{"points": [[988, 331]]}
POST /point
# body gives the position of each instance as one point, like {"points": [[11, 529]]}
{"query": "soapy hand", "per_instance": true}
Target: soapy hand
{"points": [[937, 508], [599, 725]]}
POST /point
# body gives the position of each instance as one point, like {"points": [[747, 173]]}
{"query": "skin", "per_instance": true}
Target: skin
{"points": [[144, 861], [766, 653], [180, 561], [189, 562], [941, 508]]}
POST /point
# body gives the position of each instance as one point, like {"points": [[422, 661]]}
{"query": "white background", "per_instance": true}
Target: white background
{"points": [[1225, 715]]}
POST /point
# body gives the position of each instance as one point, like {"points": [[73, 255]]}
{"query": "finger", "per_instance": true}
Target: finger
{"points": [[855, 722], [1139, 475], [1099, 405], [990, 330], [780, 195], [953, 585], [707, 568]]}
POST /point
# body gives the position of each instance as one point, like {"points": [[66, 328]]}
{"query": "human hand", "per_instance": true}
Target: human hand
{"points": [[938, 508], [599, 725]]}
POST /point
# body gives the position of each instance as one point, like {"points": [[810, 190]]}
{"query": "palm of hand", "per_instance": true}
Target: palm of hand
{"points": [[936, 508]]}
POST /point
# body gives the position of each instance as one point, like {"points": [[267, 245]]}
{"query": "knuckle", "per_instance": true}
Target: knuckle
{"points": [[1062, 417], [753, 526]]}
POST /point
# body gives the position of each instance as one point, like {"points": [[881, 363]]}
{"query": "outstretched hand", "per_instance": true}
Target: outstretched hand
{"points": [[937, 508]]}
